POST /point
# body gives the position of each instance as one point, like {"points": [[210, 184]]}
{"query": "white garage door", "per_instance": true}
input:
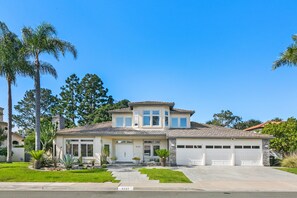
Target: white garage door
{"points": [[223, 152], [248, 155], [218, 155], [189, 152]]}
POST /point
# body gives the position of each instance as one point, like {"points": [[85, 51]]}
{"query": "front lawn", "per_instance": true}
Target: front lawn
{"points": [[19, 172], [290, 170], [165, 175]]}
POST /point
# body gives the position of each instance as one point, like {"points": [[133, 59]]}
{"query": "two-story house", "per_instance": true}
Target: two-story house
{"points": [[144, 127]]}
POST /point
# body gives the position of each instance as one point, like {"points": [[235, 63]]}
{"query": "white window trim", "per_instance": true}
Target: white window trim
{"points": [[179, 122], [124, 121], [151, 119], [79, 142], [151, 147]]}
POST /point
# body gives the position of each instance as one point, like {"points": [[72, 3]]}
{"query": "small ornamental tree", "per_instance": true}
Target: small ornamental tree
{"points": [[285, 136], [163, 154]]}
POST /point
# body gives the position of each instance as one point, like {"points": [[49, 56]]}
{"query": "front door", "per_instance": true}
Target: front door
{"points": [[124, 152]]}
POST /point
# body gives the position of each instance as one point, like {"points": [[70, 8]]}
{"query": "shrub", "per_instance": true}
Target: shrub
{"points": [[136, 158], [3, 151], [37, 155], [290, 161], [67, 161], [104, 166]]}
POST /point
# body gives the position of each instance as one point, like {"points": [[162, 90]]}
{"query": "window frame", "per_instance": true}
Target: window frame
{"points": [[174, 118], [72, 143], [186, 122]]}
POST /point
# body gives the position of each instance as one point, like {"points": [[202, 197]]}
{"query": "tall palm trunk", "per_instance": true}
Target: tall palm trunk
{"points": [[37, 105], [9, 141]]}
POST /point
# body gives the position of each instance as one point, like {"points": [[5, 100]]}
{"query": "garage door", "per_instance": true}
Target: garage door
{"points": [[218, 155], [189, 154], [248, 155]]}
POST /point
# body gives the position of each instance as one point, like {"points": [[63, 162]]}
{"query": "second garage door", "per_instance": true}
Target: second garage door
{"points": [[218, 155]]}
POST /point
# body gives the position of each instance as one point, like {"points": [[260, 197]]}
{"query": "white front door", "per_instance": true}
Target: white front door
{"points": [[124, 152]]}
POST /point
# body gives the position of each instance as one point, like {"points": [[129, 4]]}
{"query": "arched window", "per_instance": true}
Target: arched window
{"points": [[14, 142]]}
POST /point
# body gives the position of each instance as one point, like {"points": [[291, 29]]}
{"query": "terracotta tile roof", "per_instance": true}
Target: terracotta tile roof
{"points": [[261, 126], [197, 130]]}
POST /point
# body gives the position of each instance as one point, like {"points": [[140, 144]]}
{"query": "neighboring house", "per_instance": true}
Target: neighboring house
{"points": [[17, 140], [259, 127], [144, 127]]}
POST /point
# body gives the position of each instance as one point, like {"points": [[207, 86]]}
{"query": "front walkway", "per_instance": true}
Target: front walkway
{"points": [[128, 175]]}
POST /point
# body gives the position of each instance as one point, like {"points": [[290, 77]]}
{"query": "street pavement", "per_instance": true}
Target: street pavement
{"points": [[138, 194]]}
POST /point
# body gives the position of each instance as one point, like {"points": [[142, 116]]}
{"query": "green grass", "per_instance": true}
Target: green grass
{"points": [[165, 175], [290, 170], [19, 172]]}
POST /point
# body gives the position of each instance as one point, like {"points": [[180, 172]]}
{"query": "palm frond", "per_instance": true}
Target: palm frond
{"points": [[3, 29], [56, 46], [289, 58], [45, 30], [47, 68]]}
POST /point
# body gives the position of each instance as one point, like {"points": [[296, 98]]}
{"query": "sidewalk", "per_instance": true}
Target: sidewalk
{"points": [[218, 186]]}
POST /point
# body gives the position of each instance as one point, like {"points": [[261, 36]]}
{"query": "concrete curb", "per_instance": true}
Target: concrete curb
{"points": [[176, 187]]}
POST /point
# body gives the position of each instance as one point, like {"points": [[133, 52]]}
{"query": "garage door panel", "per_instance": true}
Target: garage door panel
{"points": [[218, 157], [186, 156], [248, 157]]}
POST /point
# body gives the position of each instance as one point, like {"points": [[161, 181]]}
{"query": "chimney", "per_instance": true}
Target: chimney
{"points": [[1, 114], [60, 121]]}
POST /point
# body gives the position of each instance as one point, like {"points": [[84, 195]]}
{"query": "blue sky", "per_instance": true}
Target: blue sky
{"points": [[203, 55]]}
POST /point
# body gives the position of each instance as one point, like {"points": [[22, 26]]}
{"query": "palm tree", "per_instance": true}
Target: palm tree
{"points": [[288, 57], [12, 63], [43, 40]]}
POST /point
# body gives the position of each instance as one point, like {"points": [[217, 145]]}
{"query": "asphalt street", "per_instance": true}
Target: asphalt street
{"points": [[147, 194]]}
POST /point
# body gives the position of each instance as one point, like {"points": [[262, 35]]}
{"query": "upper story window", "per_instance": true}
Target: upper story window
{"points": [[166, 118], [128, 122], [119, 122], [146, 118], [123, 121], [174, 122], [156, 118], [183, 122], [151, 118]]}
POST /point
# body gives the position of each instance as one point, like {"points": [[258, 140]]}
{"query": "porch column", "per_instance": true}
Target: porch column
{"points": [[265, 152], [172, 151]]}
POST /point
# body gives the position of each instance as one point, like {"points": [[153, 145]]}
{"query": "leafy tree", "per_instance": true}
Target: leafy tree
{"points": [[38, 41], [25, 117], [225, 118], [277, 119], [246, 124], [47, 135], [12, 63], [92, 95], [288, 57], [285, 135], [69, 99], [101, 114], [3, 135]]}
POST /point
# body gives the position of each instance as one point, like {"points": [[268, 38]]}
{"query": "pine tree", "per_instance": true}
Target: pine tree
{"points": [[92, 95]]}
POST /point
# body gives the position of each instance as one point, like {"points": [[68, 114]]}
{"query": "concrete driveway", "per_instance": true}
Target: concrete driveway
{"points": [[241, 178]]}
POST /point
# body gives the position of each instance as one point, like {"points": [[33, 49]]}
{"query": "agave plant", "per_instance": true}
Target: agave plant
{"points": [[68, 161], [37, 155]]}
